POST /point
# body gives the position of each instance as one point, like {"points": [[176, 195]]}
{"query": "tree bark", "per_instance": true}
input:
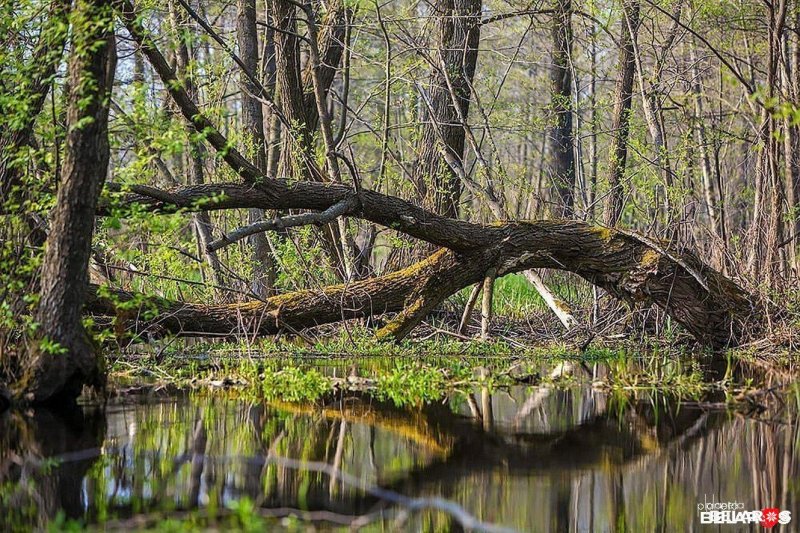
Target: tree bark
{"points": [[20, 183], [298, 102], [595, 129], [296, 139], [457, 39], [650, 91], [62, 359], [446, 101], [469, 306], [562, 157], [295, 85], [253, 128], [621, 120]]}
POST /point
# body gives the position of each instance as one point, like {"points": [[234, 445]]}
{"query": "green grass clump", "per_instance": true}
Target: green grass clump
{"points": [[294, 384], [412, 383], [515, 296]]}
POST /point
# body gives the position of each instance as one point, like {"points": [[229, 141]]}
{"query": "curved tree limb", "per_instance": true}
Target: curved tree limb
{"points": [[382, 209]]}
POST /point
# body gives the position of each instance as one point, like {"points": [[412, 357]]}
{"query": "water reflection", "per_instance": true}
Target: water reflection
{"points": [[531, 458]]}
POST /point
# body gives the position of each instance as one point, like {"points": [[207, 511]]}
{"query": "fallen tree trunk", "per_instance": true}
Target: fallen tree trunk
{"points": [[710, 306]]}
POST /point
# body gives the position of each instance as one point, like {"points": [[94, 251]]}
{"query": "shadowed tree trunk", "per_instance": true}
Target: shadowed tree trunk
{"points": [[62, 359], [562, 156], [296, 140], [294, 83], [621, 119], [766, 260], [437, 186]]}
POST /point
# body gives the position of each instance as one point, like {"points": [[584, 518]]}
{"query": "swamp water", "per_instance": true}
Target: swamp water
{"points": [[525, 458]]}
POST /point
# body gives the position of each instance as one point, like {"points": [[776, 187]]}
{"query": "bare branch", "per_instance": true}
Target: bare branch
{"points": [[344, 207]]}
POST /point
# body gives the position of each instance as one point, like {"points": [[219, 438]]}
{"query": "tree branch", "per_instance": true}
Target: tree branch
{"points": [[344, 207], [387, 211]]}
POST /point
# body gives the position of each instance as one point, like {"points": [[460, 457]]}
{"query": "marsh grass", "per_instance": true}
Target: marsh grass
{"points": [[415, 373]]}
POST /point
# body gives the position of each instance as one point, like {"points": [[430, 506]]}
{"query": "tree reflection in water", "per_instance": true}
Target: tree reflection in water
{"points": [[529, 458]]}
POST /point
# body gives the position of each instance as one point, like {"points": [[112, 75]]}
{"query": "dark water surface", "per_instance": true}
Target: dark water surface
{"points": [[527, 458]]}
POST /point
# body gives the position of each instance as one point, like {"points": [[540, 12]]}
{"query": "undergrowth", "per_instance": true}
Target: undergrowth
{"points": [[410, 373]]}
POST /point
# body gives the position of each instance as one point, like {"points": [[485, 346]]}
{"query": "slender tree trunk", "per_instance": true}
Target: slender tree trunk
{"points": [[663, 211], [592, 188], [621, 120], [299, 105], [195, 158], [469, 306], [297, 142], [62, 359], [253, 128], [791, 144], [711, 195], [562, 149], [486, 303], [272, 123], [766, 262]]}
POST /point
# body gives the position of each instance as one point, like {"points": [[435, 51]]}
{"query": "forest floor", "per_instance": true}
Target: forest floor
{"points": [[613, 348]]}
